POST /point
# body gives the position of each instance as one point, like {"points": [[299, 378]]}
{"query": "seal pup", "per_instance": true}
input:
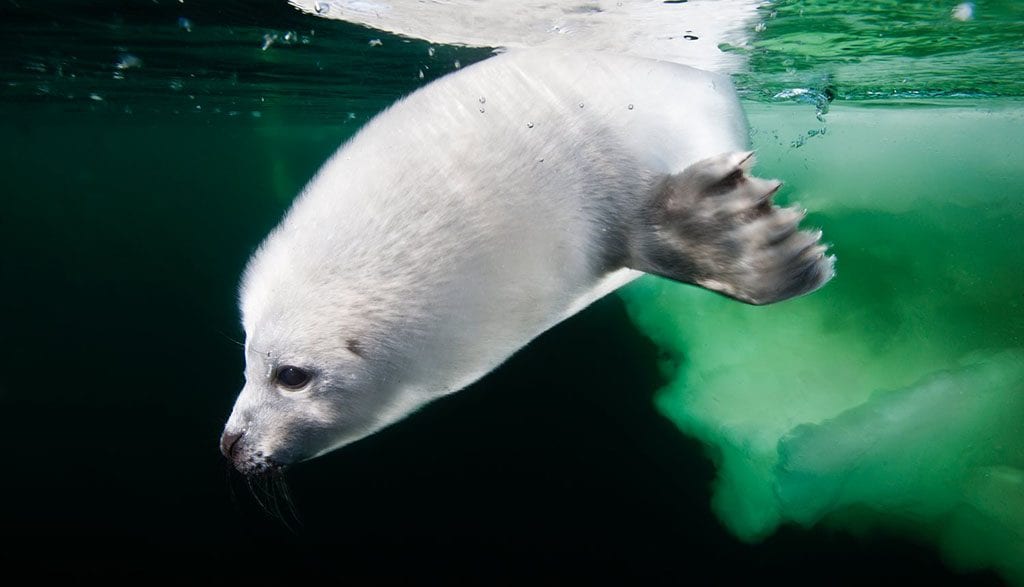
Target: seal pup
{"points": [[478, 212]]}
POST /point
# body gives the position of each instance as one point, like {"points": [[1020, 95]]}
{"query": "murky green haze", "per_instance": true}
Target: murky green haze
{"points": [[868, 432], [892, 398]]}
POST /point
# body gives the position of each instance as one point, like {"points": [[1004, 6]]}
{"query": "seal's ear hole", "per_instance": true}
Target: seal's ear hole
{"points": [[292, 378]]}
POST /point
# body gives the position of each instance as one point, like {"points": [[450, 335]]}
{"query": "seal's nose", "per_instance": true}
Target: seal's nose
{"points": [[229, 443]]}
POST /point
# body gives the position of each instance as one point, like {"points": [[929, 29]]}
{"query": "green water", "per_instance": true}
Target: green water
{"points": [[887, 398], [887, 49], [868, 432]]}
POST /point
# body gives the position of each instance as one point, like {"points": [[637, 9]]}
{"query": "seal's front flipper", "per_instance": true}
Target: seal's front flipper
{"points": [[715, 226]]}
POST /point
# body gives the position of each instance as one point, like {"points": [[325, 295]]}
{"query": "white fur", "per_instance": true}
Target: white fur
{"points": [[454, 228]]}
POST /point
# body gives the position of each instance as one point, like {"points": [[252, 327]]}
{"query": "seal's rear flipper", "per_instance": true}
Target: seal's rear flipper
{"points": [[715, 226]]}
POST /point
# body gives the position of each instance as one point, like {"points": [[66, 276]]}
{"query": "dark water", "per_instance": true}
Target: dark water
{"points": [[133, 197]]}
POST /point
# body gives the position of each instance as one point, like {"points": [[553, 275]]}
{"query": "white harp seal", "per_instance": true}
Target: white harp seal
{"points": [[480, 211]]}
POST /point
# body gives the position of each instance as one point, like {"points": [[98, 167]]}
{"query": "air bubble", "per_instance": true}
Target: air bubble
{"points": [[481, 111], [630, 107], [482, 100], [127, 61], [321, 7], [581, 104], [529, 125], [963, 12]]}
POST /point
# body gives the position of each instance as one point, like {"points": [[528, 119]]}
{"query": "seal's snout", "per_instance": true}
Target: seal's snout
{"points": [[229, 444], [238, 448]]}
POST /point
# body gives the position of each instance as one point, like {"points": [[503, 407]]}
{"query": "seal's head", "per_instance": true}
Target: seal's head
{"points": [[318, 361], [298, 402]]}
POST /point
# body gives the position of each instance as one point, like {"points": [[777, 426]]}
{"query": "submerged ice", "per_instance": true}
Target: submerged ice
{"points": [[683, 32], [945, 453], [892, 399]]}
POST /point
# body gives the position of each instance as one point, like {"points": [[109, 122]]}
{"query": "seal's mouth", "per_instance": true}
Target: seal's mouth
{"points": [[257, 465], [249, 462]]}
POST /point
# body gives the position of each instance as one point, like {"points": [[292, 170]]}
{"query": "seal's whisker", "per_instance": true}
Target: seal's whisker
{"points": [[278, 492], [254, 490], [286, 496], [274, 501], [268, 490], [228, 470], [225, 335]]}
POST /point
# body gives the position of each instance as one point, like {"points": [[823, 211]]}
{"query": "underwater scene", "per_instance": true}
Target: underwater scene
{"points": [[870, 431]]}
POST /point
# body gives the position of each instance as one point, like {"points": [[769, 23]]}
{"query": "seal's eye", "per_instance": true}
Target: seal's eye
{"points": [[292, 378]]}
